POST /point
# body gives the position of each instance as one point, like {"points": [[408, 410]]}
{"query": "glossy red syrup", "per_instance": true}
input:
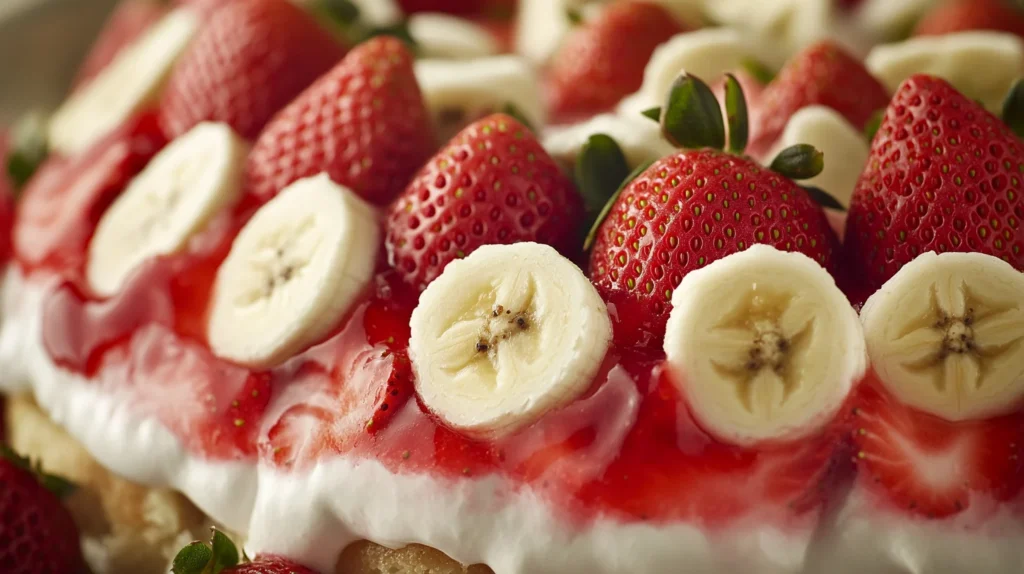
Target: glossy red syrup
{"points": [[627, 449]]}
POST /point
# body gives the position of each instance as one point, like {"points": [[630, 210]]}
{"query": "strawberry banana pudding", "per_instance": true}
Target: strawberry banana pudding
{"points": [[397, 287]]}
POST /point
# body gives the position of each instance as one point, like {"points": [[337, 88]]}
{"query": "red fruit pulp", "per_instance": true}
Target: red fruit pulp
{"points": [[624, 449]]}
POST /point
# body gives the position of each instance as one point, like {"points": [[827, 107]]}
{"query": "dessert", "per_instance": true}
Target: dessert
{"points": [[361, 315]]}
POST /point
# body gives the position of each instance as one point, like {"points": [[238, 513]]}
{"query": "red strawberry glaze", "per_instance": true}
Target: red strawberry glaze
{"points": [[627, 449]]}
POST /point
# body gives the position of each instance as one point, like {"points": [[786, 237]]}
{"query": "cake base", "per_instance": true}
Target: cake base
{"points": [[128, 527]]}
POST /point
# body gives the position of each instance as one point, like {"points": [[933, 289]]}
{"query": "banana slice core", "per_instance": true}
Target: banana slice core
{"points": [[946, 335], [173, 198], [293, 272], [764, 345], [505, 335]]}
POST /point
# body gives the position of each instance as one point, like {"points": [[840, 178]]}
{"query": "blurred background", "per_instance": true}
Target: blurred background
{"points": [[41, 44]]}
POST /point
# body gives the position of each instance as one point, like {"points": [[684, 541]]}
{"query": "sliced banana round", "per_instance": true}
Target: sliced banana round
{"points": [[457, 92], [133, 80], [946, 335], [764, 345], [292, 273], [640, 138], [846, 151], [885, 19], [982, 65], [172, 199], [780, 27], [443, 36], [707, 54], [505, 335]]}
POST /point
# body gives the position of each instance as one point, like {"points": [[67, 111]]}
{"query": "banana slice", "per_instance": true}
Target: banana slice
{"points": [[780, 27], [765, 346], [982, 65], [707, 54], [887, 19], [541, 25], [443, 36], [185, 185], [377, 12], [845, 148], [133, 80], [946, 335], [505, 335], [292, 273], [639, 138], [457, 92]]}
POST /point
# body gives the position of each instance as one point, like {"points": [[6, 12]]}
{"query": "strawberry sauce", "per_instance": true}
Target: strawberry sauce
{"points": [[628, 448]]}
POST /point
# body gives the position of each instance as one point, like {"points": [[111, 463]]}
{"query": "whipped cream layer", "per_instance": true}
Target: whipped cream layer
{"points": [[479, 519]]}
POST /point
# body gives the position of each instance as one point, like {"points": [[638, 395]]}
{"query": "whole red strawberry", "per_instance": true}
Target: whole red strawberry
{"points": [[62, 203], [222, 556], [493, 183], [37, 534], [962, 15], [128, 21], [943, 175], [364, 123], [825, 75], [603, 60], [694, 207], [248, 61]]}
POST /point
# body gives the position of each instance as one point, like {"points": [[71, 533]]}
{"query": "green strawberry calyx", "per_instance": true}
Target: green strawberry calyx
{"points": [[1013, 108], [202, 558], [29, 148], [55, 484]]}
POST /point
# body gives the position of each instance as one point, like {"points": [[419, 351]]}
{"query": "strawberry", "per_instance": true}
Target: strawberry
{"points": [[943, 175], [932, 467], [493, 183], [603, 60], [394, 394], [823, 74], [462, 7], [37, 534], [128, 21], [221, 556], [248, 61], [62, 203], [364, 123], [694, 207], [963, 15]]}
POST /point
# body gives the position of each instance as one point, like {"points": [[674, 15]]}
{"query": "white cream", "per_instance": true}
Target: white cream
{"points": [[138, 448], [312, 515]]}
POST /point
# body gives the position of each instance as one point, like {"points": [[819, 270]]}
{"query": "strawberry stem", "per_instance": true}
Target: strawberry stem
{"points": [[592, 234], [1013, 108], [759, 71], [692, 117], [600, 168], [29, 148], [736, 114], [801, 161]]}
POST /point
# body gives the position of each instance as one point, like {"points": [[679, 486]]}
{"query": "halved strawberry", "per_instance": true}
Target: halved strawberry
{"points": [[247, 62], [128, 21], [364, 123], [62, 203], [932, 467]]}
